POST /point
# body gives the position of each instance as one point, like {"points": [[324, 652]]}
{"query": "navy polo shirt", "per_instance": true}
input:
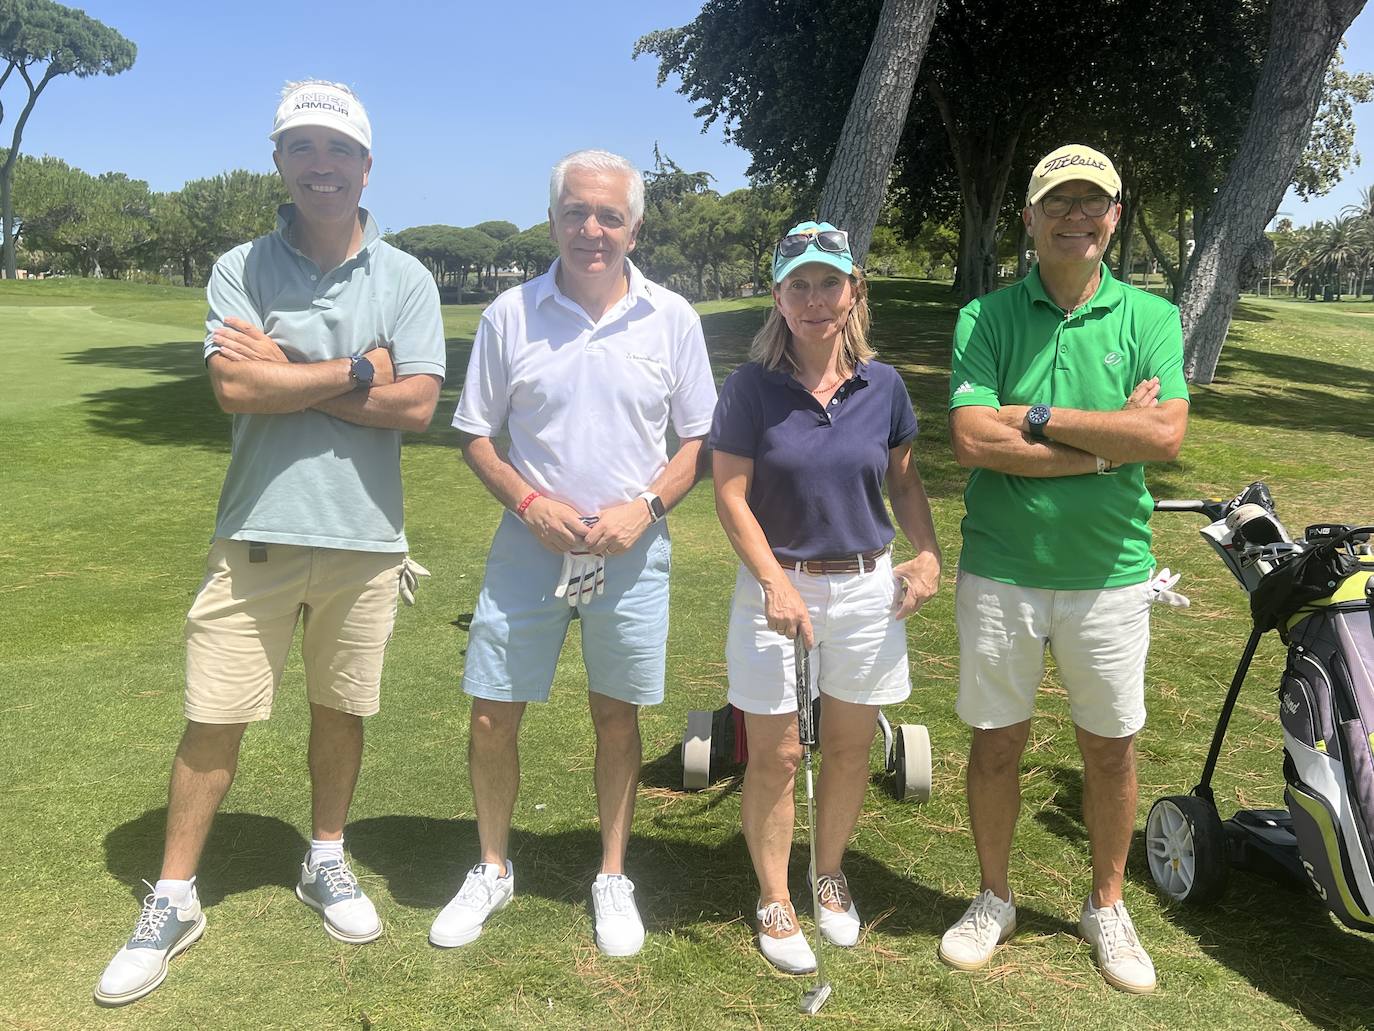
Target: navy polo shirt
{"points": [[817, 489]]}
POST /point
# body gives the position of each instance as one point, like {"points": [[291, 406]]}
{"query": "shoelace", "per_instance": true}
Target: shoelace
{"points": [[981, 913], [339, 879], [617, 892], [777, 918], [476, 891], [1118, 934], [151, 919], [832, 892]]}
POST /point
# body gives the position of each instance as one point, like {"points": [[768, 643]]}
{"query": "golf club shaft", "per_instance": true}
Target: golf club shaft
{"points": [[806, 732]]}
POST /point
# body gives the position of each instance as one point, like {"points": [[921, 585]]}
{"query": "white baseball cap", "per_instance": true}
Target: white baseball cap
{"points": [[328, 104]]}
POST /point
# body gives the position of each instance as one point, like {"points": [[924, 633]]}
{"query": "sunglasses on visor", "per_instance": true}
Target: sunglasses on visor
{"points": [[833, 241]]}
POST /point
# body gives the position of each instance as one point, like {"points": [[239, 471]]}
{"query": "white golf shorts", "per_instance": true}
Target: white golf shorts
{"points": [[860, 652], [1099, 640]]}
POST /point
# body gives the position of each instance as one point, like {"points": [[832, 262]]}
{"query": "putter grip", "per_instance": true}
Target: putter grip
{"points": [[806, 726]]}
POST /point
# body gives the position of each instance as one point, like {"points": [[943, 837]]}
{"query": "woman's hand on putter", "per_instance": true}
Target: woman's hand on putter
{"points": [[241, 341], [917, 580], [786, 613]]}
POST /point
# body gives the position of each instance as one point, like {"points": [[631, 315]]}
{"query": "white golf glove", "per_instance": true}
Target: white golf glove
{"points": [[1161, 592], [411, 571], [583, 575]]}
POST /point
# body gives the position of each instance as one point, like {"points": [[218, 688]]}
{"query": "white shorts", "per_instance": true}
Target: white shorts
{"points": [[860, 653], [1099, 640]]}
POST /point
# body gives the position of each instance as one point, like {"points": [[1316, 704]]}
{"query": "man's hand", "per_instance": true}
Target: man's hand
{"points": [[917, 579], [558, 526], [1145, 394], [241, 341], [618, 527]]}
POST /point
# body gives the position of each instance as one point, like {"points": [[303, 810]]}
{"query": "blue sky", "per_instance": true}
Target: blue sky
{"points": [[470, 102]]}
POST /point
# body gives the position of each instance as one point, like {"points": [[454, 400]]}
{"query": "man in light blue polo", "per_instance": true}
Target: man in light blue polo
{"points": [[325, 343], [586, 367]]}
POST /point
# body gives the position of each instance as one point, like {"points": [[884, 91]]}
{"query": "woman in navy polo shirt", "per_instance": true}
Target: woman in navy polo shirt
{"points": [[805, 435]]}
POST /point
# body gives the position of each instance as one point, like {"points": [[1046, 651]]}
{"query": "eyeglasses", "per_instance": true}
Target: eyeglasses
{"points": [[1094, 205], [834, 241]]}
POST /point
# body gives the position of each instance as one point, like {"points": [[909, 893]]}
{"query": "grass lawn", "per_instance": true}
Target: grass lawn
{"points": [[113, 456]]}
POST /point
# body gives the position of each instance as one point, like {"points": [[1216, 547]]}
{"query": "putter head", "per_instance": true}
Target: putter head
{"points": [[814, 999]]}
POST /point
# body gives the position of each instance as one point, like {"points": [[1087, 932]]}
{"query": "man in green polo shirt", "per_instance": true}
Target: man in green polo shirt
{"points": [[1063, 387]]}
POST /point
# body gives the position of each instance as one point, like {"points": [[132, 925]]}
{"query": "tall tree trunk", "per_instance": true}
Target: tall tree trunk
{"points": [[1303, 35], [1170, 272], [1126, 236], [7, 235], [857, 180], [1182, 248], [1022, 261]]}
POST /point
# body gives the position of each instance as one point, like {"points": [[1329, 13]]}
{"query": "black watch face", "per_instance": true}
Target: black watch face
{"points": [[1037, 417], [656, 506], [363, 371]]}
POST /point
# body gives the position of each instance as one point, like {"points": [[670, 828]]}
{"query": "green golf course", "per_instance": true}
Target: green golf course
{"points": [[113, 454]]}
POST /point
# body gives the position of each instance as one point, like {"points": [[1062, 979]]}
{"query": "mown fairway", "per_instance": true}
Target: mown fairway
{"points": [[113, 455]]}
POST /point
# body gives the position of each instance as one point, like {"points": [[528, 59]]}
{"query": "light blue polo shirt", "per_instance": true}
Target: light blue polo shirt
{"points": [[307, 478]]}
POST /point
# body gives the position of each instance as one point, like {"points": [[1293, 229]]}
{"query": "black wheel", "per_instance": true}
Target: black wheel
{"points": [[1185, 844]]}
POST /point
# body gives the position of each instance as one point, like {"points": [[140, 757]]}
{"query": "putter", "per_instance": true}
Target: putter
{"points": [[815, 997]]}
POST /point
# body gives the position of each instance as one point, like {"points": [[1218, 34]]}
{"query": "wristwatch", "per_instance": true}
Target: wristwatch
{"points": [[1037, 419], [361, 371], [655, 503]]}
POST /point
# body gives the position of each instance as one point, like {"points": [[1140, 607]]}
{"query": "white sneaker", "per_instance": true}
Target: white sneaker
{"points": [[163, 931], [483, 893], [839, 919], [1122, 959], [781, 940], [619, 931], [331, 890], [986, 924]]}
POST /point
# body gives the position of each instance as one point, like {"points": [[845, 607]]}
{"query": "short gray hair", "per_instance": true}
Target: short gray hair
{"points": [[599, 161]]}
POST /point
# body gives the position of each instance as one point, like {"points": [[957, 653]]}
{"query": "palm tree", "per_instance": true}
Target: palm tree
{"points": [[1341, 247], [1364, 213]]}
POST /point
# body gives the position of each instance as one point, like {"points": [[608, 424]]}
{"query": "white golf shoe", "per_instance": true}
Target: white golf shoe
{"points": [[781, 940], [163, 931], [483, 893], [1122, 959], [839, 919], [619, 930], [986, 924]]}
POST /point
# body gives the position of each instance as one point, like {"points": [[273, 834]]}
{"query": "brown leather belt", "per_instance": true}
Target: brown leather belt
{"points": [[862, 563]]}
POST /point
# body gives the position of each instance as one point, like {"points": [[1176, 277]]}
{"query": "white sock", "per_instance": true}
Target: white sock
{"points": [[178, 891], [321, 851]]}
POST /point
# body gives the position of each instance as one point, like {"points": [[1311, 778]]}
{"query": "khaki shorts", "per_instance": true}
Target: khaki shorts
{"points": [[1099, 639], [239, 629]]}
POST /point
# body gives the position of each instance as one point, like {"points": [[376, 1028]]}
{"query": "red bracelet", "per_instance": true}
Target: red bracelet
{"points": [[529, 500]]}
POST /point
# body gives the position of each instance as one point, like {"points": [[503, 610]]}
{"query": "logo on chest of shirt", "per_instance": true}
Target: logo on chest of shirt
{"points": [[1113, 359]]}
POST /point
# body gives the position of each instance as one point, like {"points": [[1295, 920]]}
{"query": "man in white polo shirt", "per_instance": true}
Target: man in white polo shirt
{"points": [[585, 366]]}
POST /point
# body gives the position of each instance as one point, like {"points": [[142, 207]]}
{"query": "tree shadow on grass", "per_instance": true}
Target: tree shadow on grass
{"points": [[1294, 392], [245, 851], [1254, 929], [679, 881], [180, 409]]}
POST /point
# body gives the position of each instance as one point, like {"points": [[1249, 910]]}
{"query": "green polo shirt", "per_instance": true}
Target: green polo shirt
{"points": [[305, 477], [1016, 346]]}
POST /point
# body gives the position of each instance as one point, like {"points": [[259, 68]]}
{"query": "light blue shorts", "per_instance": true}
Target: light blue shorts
{"points": [[518, 626]]}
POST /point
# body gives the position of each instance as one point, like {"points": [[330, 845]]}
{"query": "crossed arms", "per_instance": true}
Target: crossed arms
{"points": [[1144, 429], [252, 376]]}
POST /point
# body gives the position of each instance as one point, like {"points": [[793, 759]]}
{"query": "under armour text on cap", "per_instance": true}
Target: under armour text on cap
{"points": [[328, 104], [1066, 164]]}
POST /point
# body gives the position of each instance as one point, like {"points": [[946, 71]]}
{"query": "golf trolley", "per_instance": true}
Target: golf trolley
{"points": [[1317, 592], [715, 743]]}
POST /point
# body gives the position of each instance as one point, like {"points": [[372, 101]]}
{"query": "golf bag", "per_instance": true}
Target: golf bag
{"points": [[1321, 599]]}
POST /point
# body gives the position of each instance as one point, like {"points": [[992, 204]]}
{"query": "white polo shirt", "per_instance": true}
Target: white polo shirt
{"points": [[587, 404]]}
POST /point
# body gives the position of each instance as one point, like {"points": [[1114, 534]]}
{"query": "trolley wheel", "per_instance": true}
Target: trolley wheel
{"points": [[696, 750], [1185, 844], [912, 763]]}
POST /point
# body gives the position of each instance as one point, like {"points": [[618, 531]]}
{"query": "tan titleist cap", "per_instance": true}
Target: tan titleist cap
{"points": [[1069, 163], [328, 104]]}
